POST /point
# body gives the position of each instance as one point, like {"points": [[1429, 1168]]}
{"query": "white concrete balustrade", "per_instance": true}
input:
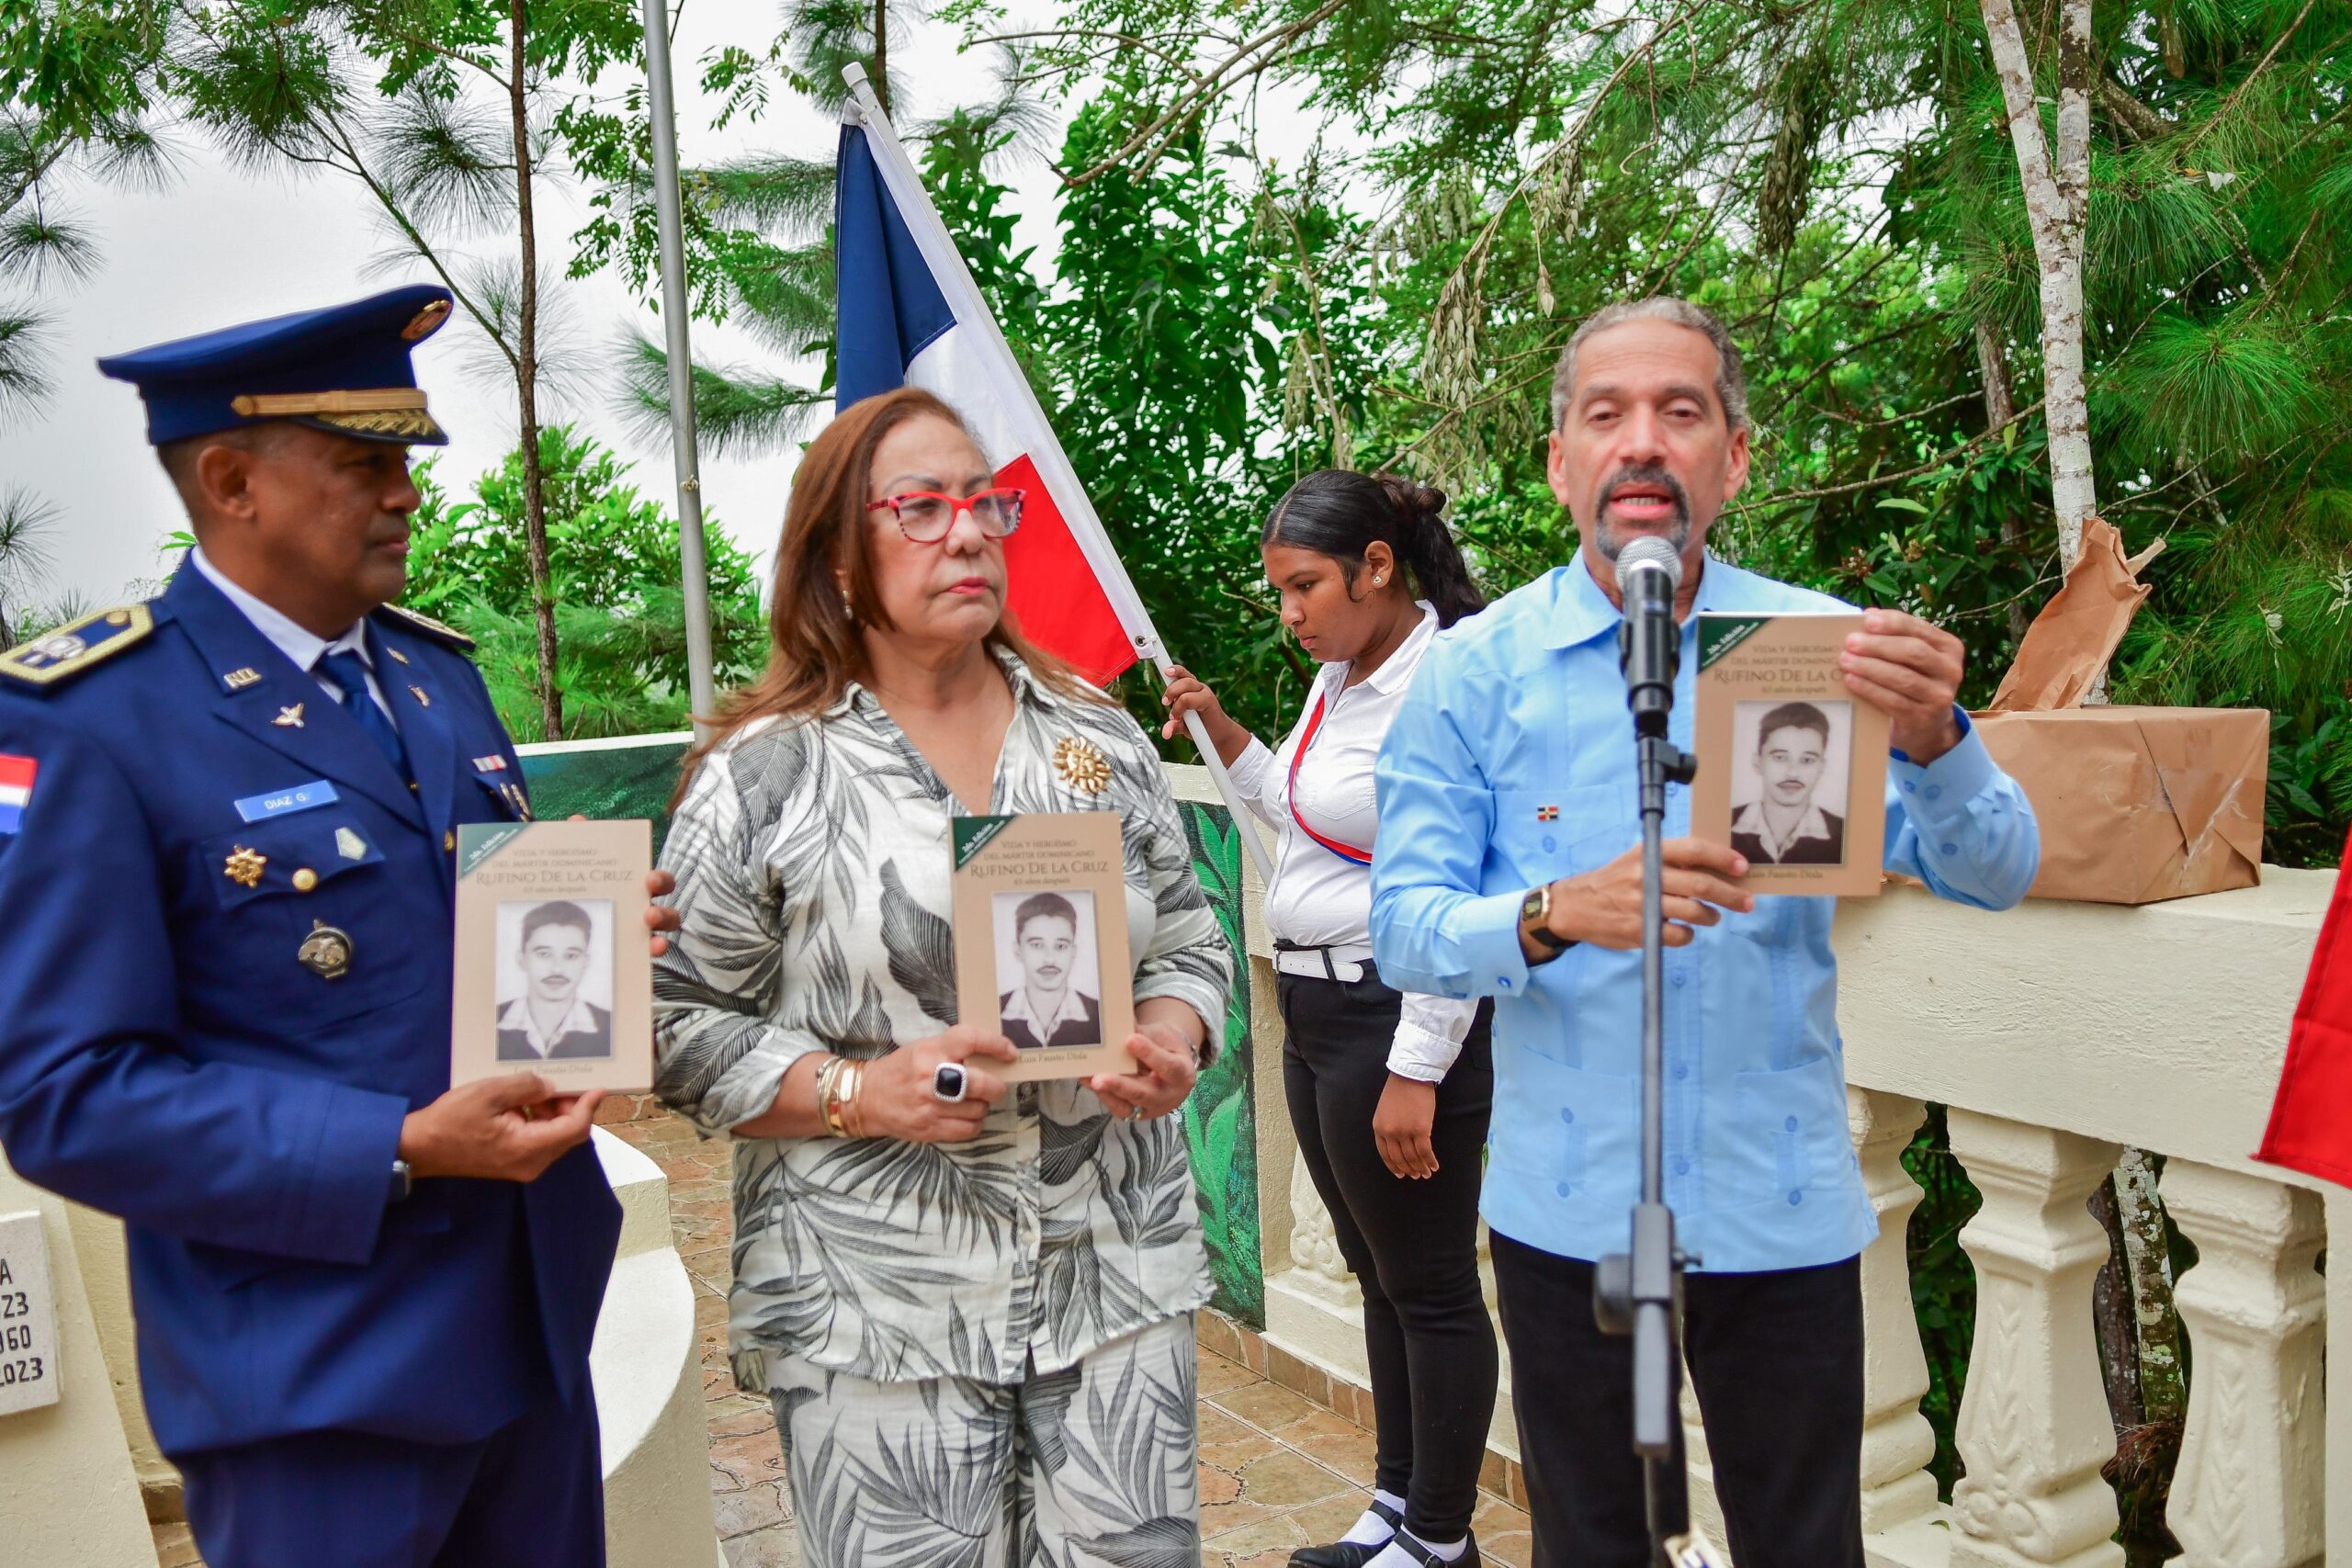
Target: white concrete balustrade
{"points": [[2056, 1034]]}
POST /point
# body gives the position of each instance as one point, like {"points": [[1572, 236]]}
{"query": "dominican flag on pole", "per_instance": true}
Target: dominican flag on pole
{"points": [[908, 314]]}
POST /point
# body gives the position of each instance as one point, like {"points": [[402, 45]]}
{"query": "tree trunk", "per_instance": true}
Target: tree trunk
{"points": [[526, 379], [2000, 407], [882, 54], [2057, 193]]}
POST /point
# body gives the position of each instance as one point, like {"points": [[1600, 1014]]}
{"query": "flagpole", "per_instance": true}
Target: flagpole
{"points": [[971, 307], [676, 307]]}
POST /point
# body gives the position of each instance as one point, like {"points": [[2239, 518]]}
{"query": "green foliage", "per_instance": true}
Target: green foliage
{"points": [[614, 557], [1220, 1119]]}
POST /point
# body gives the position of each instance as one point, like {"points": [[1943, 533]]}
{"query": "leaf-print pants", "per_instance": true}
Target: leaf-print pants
{"points": [[1095, 1464]]}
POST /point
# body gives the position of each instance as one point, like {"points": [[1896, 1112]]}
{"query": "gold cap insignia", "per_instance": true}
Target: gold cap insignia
{"points": [[425, 322], [1081, 764]]}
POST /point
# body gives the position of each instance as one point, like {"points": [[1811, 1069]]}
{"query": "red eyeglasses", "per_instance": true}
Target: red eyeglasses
{"points": [[926, 515]]}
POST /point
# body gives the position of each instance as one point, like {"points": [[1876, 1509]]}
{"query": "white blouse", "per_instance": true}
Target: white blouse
{"points": [[1318, 899]]}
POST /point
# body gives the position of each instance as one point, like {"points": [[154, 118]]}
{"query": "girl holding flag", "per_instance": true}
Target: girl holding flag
{"points": [[1389, 1093]]}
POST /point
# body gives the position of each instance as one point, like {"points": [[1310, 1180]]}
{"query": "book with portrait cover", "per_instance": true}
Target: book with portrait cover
{"points": [[553, 973], [1791, 764], [1039, 904]]}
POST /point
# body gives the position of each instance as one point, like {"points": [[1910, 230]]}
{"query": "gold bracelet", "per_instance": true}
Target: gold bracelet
{"points": [[854, 1114], [829, 1104]]}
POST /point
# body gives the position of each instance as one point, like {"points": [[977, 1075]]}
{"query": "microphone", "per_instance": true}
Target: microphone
{"points": [[1649, 644]]}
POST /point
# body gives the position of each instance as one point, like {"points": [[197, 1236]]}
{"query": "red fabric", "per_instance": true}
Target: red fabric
{"points": [[1346, 851], [2310, 1121], [1051, 591]]}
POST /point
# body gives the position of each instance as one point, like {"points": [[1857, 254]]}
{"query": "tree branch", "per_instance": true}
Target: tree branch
{"points": [[1879, 481]]}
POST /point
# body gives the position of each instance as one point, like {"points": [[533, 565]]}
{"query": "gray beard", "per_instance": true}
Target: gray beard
{"points": [[1610, 543]]}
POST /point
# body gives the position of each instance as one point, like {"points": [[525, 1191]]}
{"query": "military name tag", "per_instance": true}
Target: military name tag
{"points": [[27, 1316], [285, 802]]}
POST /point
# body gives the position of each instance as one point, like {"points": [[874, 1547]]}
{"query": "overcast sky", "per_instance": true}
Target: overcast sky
{"points": [[219, 247]]}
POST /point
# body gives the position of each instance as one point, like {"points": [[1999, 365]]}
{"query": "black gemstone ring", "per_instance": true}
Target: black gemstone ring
{"points": [[948, 1081]]}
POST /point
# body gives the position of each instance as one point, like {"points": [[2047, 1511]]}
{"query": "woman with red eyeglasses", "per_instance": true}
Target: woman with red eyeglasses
{"points": [[971, 1306], [1389, 1093]]}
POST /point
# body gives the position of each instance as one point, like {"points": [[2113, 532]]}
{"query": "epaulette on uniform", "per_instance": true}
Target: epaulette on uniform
{"points": [[448, 636], [55, 658]]}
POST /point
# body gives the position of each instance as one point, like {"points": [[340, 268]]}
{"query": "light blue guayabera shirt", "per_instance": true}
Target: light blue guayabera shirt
{"points": [[1520, 713]]}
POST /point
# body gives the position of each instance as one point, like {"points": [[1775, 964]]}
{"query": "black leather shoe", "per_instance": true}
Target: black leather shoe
{"points": [[1428, 1559], [1347, 1554]]}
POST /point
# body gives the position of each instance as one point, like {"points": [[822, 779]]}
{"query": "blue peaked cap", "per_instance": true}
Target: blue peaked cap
{"points": [[343, 369]]}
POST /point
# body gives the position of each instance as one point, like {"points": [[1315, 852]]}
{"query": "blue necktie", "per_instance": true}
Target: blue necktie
{"points": [[348, 670]]}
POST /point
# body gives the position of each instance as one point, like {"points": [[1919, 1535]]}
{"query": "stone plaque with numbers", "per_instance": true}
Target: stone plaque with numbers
{"points": [[27, 1316]]}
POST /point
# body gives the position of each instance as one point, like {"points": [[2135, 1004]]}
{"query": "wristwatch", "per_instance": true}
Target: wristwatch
{"points": [[400, 1183], [1535, 922]]}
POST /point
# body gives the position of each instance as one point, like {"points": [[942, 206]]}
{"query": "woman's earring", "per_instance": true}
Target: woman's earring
{"points": [[1378, 581]]}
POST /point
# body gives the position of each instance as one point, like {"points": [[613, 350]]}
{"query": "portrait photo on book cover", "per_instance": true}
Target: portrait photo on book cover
{"points": [[555, 979], [1793, 771], [1048, 968]]}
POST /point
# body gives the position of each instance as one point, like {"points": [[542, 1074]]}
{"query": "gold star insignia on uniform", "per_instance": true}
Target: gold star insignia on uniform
{"points": [[288, 719], [418, 692], [245, 866], [1081, 764], [238, 680]]}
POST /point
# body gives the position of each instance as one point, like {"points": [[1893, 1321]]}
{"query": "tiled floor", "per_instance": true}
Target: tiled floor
{"points": [[1277, 1472]]}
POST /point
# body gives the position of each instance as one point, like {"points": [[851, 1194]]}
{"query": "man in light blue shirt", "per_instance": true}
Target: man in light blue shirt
{"points": [[1508, 865]]}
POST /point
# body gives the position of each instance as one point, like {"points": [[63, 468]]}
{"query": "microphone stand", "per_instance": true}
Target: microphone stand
{"points": [[1641, 1294]]}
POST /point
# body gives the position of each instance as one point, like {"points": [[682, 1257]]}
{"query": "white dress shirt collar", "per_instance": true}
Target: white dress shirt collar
{"points": [[579, 1019], [1395, 671], [1071, 1010], [304, 647]]}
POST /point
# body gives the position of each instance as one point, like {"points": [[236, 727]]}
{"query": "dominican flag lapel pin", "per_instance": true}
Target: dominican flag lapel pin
{"points": [[1547, 814], [16, 791]]}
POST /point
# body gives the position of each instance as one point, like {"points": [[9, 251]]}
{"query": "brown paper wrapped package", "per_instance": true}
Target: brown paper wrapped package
{"points": [[2135, 804]]}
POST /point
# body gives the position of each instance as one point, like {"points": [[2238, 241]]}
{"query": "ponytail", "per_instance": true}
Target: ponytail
{"points": [[1426, 547], [1340, 513]]}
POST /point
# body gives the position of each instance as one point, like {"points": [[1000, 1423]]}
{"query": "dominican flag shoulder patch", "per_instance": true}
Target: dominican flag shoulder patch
{"points": [[16, 791]]}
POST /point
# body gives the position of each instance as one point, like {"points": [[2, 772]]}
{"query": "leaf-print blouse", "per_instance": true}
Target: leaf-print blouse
{"points": [[811, 857]]}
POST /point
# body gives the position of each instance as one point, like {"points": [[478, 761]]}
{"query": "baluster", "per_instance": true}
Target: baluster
{"points": [[2249, 1491], [1314, 1243], [2033, 1425], [1897, 1442]]}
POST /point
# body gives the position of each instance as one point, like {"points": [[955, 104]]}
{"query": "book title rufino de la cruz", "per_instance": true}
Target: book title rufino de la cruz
{"points": [[1040, 917], [553, 971], [1791, 764]]}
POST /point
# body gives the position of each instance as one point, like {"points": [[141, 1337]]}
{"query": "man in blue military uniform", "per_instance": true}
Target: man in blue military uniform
{"points": [[365, 1300]]}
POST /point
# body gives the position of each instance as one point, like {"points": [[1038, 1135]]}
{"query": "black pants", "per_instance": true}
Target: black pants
{"points": [[1775, 1360], [1413, 1246]]}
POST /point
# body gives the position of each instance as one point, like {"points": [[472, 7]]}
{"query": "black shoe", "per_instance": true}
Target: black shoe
{"points": [[1347, 1554], [1428, 1559]]}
